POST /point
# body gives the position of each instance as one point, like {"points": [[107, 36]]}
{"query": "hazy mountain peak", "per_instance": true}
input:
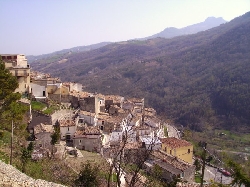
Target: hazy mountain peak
{"points": [[171, 32], [214, 19]]}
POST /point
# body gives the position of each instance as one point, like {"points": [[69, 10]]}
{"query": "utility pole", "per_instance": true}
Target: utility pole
{"points": [[11, 142], [204, 145]]}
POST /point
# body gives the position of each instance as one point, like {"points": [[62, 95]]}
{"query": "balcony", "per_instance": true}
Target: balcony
{"points": [[19, 73]]}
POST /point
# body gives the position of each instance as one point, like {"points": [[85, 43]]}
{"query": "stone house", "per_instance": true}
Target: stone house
{"points": [[152, 122], [59, 93], [67, 128], [171, 167], [115, 137], [38, 91], [88, 138], [91, 103], [138, 105], [73, 86], [107, 123], [18, 67], [151, 142], [178, 148], [87, 118]]}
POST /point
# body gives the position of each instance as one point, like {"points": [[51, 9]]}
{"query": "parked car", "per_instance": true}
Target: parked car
{"points": [[224, 172]]}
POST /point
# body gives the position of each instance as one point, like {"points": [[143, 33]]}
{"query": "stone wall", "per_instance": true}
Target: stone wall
{"points": [[11, 177], [57, 98], [87, 104]]}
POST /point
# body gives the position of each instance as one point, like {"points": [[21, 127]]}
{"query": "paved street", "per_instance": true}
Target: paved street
{"points": [[212, 174], [172, 131]]}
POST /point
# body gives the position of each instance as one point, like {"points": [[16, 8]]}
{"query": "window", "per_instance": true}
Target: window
{"points": [[68, 128], [181, 175], [170, 152], [188, 150], [165, 149], [102, 122]]}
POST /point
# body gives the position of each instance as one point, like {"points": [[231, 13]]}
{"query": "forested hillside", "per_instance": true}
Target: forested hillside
{"points": [[195, 80]]}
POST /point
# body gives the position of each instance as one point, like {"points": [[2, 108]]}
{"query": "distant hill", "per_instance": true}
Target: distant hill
{"points": [[60, 53], [196, 80], [171, 32]]}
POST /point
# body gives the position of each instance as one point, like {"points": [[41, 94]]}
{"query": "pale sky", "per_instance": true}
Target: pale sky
{"points": [[34, 27]]}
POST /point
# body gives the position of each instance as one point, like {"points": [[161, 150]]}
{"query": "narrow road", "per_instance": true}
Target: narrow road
{"points": [[172, 131], [212, 174]]}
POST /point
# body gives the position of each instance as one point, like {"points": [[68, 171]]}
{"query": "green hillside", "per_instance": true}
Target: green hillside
{"points": [[195, 80]]}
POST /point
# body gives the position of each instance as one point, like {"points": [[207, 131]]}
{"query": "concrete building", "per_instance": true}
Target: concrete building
{"points": [[18, 66]]}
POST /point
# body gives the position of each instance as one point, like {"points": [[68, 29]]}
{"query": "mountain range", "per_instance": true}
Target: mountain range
{"points": [[171, 32], [196, 80]]}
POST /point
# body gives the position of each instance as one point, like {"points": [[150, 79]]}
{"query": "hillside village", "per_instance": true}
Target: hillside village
{"points": [[98, 123]]}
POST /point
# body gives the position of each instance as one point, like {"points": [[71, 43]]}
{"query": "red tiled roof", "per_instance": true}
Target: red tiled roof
{"points": [[171, 160], [88, 131], [174, 142], [66, 123]]}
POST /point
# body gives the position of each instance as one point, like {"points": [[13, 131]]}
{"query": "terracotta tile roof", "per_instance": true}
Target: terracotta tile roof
{"points": [[174, 142], [134, 145], [149, 112], [182, 184], [80, 94], [115, 98], [43, 128], [67, 122], [142, 127], [86, 113], [88, 131], [66, 83], [109, 119], [164, 160], [135, 100]]}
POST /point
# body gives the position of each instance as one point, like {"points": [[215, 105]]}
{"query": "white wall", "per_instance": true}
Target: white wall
{"points": [[75, 86], [67, 130], [37, 90]]}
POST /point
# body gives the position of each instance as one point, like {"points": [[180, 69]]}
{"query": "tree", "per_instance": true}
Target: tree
{"points": [[26, 155], [55, 137], [129, 162], [8, 105], [197, 165], [11, 111], [155, 178], [88, 176], [238, 175]]}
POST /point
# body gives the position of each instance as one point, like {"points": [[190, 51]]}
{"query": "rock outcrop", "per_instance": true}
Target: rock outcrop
{"points": [[11, 177]]}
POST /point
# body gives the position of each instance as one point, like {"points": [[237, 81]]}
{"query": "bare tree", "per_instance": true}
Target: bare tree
{"points": [[127, 160]]}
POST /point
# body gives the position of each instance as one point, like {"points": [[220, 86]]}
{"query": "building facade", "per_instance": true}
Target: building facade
{"points": [[18, 66], [178, 148]]}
